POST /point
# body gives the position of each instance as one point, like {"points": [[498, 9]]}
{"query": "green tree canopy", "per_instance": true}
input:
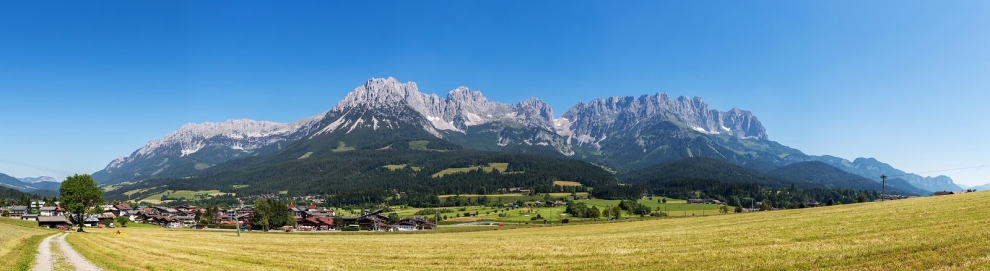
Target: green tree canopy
{"points": [[79, 194]]}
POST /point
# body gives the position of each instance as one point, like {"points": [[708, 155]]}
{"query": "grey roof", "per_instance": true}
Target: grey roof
{"points": [[52, 219], [18, 208], [51, 208]]}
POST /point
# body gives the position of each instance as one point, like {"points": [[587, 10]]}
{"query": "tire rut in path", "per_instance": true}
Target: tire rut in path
{"points": [[45, 261]]}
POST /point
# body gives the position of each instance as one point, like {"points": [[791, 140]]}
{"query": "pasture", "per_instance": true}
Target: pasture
{"points": [[566, 183], [948, 232], [186, 194], [18, 242], [500, 166], [923, 233]]}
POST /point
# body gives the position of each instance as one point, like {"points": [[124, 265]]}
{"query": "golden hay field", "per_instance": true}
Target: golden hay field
{"points": [[948, 232], [18, 242]]}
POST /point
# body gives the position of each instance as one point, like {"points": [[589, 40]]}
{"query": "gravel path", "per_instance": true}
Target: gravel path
{"points": [[44, 260]]}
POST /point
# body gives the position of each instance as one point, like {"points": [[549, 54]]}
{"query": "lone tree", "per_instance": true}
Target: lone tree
{"points": [[79, 194]]}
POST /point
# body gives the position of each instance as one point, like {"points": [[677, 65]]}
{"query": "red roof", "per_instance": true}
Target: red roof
{"points": [[312, 206]]}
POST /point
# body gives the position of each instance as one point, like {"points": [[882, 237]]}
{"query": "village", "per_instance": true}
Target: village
{"points": [[307, 218]]}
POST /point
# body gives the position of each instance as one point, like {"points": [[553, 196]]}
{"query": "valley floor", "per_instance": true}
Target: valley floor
{"points": [[947, 232]]}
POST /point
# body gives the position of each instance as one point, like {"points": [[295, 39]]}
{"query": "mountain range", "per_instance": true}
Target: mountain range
{"points": [[622, 134], [43, 185]]}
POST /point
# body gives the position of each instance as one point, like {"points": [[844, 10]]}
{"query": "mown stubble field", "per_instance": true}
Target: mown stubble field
{"points": [[948, 232]]}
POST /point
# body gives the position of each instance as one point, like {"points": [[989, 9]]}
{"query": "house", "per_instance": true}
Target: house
{"points": [[123, 207], [704, 201], [18, 211], [29, 217], [91, 221], [106, 218], [49, 211], [313, 223], [414, 223], [521, 191], [322, 212], [943, 193], [54, 222]]}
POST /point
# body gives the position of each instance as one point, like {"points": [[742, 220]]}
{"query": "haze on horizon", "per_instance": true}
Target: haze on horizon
{"points": [[903, 82]]}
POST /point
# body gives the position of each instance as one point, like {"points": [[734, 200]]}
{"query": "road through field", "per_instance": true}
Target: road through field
{"points": [[46, 260]]}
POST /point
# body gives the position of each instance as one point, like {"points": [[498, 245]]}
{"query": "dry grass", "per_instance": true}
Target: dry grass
{"points": [[949, 232], [566, 183], [500, 166], [18, 242]]}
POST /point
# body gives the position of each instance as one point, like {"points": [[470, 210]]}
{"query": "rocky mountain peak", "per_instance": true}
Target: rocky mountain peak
{"points": [[594, 121], [378, 92]]}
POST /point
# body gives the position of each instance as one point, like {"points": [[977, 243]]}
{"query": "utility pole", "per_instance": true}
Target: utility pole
{"points": [[609, 212], [883, 185]]}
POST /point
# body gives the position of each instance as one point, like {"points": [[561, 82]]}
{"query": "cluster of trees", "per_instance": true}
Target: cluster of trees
{"points": [[579, 209], [360, 177], [635, 207], [271, 214]]}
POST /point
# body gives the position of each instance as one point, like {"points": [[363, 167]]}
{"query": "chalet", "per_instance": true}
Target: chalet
{"points": [[246, 210], [49, 211], [521, 191], [107, 218], [313, 223], [109, 208], [33, 217], [704, 201], [18, 211], [322, 212], [91, 221], [943, 193], [54, 222], [170, 211], [186, 219], [414, 223], [123, 207], [298, 212]]}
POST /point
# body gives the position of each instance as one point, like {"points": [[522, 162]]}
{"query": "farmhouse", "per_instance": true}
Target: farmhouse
{"points": [[50, 211], [313, 223], [704, 201], [54, 222], [17, 211]]}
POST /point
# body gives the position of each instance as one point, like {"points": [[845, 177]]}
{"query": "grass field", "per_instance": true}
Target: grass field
{"points": [[341, 147], [187, 194], [418, 145], [948, 232], [18, 242], [398, 167], [566, 183], [500, 166]]}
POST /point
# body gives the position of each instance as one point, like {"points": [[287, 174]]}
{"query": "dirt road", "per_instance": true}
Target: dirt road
{"points": [[56, 254]]}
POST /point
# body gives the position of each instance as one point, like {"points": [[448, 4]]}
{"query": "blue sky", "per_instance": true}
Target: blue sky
{"points": [[905, 82]]}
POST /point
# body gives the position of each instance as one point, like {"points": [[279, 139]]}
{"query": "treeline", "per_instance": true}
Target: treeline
{"points": [[703, 178], [360, 177]]}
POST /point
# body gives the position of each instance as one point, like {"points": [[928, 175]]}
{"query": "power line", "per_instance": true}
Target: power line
{"points": [[35, 166]]}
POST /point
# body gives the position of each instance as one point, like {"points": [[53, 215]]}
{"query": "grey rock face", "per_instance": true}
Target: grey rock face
{"points": [[461, 108], [601, 118]]}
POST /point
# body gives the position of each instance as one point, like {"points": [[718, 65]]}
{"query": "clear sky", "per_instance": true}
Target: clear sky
{"points": [[906, 82]]}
